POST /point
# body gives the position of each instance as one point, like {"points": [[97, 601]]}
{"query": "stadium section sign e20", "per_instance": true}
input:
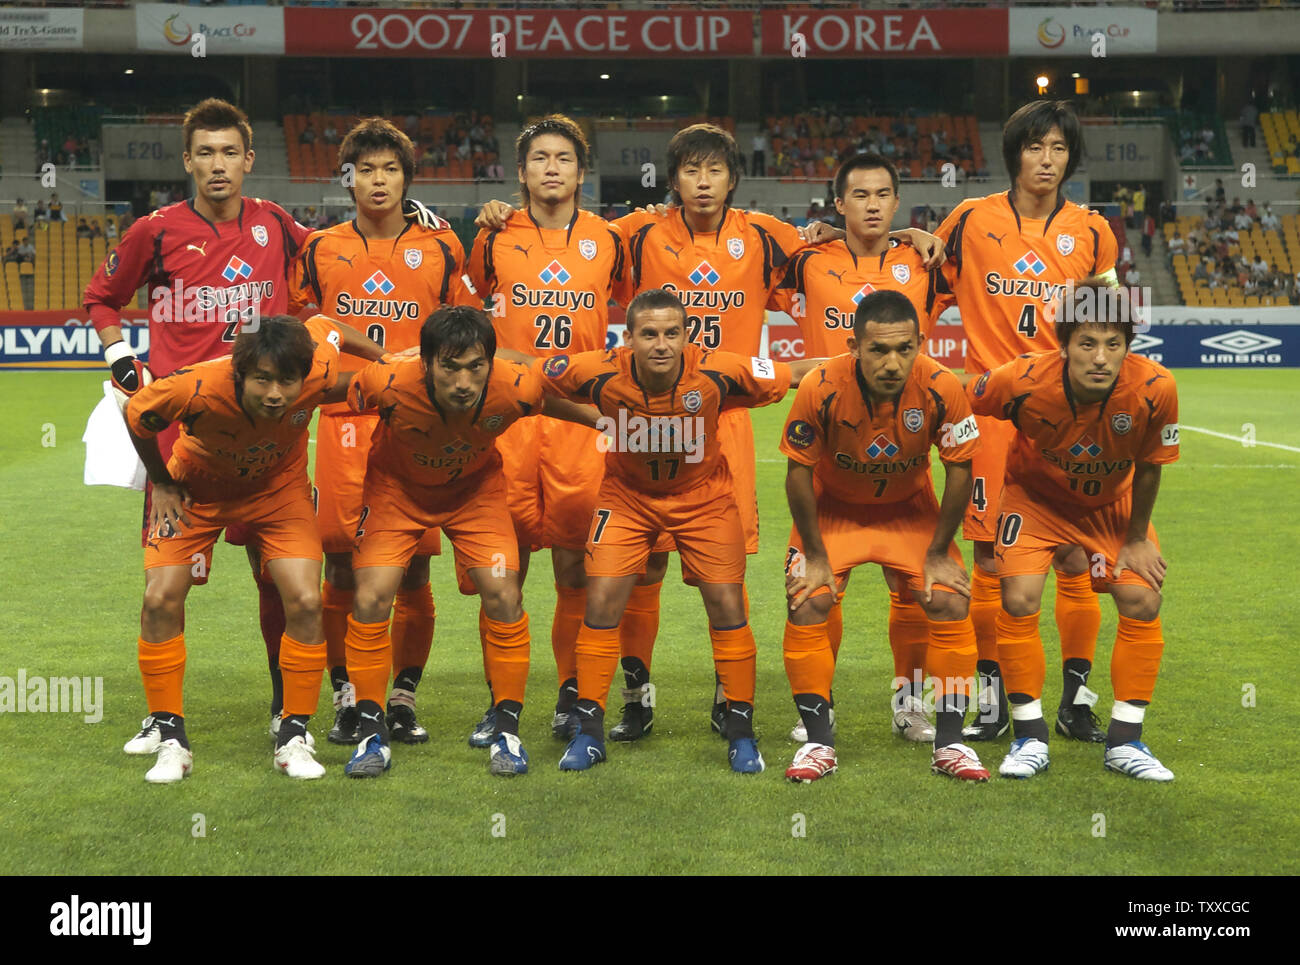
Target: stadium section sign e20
{"points": [[539, 32]]}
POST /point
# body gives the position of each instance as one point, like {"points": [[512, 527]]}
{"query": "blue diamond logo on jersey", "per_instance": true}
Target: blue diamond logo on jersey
{"points": [[1085, 445], [1030, 264], [378, 282], [881, 446], [554, 272], [236, 268], [704, 272], [863, 292]]}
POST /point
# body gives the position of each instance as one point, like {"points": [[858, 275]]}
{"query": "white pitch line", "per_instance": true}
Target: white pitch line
{"points": [[1246, 443]]}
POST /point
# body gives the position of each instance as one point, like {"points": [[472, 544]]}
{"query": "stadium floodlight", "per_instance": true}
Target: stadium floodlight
{"points": [[1042, 80]]}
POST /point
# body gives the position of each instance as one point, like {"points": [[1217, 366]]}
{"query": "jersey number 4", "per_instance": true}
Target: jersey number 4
{"points": [[1028, 323]]}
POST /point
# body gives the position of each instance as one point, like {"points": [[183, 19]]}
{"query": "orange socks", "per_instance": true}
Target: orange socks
{"points": [[1020, 651], [640, 624], [1078, 616], [950, 658], [414, 617], [369, 659], [162, 669], [835, 626], [336, 605], [809, 661], [597, 660], [570, 604], [1135, 660], [985, 605], [302, 667], [909, 638], [734, 653], [507, 658]]}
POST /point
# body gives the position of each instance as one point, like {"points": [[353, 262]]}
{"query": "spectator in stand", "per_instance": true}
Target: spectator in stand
{"points": [[1132, 277], [331, 132], [26, 251], [11, 255], [1177, 245], [427, 157], [308, 135], [1201, 272], [20, 214], [1243, 221], [1148, 234], [1249, 115], [96, 231], [1252, 210], [1259, 266], [496, 171], [1219, 193], [83, 229], [1139, 206], [56, 208], [1268, 220], [1230, 235]]}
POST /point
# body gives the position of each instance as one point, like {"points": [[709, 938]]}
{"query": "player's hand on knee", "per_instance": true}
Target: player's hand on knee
{"points": [[493, 215], [802, 582], [943, 569], [1142, 557], [167, 509]]}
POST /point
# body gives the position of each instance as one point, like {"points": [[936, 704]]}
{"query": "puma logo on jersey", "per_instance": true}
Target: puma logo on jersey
{"points": [[1049, 422], [675, 254], [1028, 370], [523, 249], [198, 248], [837, 275], [990, 234], [348, 260], [851, 425]]}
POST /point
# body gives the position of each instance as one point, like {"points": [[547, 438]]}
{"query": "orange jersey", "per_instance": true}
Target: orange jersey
{"points": [[421, 445], [548, 290], [1005, 269], [822, 286], [865, 453], [666, 443], [1080, 453], [222, 450], [384, 288], [724, 278]]}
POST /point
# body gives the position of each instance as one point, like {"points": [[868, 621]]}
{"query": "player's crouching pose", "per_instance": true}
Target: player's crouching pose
{"points": [[434, 463], [1095, 423], [660, 399], [858, 441], [241, 459]]}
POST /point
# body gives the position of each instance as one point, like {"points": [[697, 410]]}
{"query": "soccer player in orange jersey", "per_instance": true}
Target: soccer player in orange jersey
{"points": [[240, 459], [661, 399], [548, 275], [434, 462], [1094, 424], [1009, 255], [858, 441], [385, 275], [821, 290]]}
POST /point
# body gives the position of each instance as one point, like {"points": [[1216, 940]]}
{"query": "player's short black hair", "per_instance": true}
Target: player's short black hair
{"points": [[864, 162], [697, 144], [372, 135], [281, 340], [560, 124], [214, 114], [453, 330], [1093, 301], [886, 308], [649, 300], [1031, 123]]}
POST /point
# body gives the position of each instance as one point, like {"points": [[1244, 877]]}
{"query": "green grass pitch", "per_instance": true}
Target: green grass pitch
{"points": [[71, 802]]}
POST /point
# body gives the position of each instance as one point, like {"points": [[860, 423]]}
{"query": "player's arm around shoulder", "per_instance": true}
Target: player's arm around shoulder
{"points": [[750, 382], [986, 392]]}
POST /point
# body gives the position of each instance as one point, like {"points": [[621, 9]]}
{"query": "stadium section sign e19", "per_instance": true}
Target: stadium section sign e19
{"points": [[533, 33], [885, 33], [1069, 31], [172, 29]]}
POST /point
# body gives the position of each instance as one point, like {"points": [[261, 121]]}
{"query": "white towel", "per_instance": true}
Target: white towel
{"points": [[111, 460]]}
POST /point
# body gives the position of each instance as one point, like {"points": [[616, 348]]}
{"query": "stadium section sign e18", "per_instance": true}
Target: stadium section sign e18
{"points": [[1069, 31], [172, 29], [885, 33], [531, 33]]}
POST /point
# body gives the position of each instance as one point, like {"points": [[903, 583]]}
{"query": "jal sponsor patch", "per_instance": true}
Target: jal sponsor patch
{"points": [[414, 258], [762, 368], [1169, 434], [957, 433], [587, 248], [913, 419], [1121, 423], [260, 235]]}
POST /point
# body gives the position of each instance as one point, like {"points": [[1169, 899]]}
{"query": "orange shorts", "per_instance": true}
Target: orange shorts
{"points": [[895, 535], [553, 471], [736, 438], [989, 467], [279, 521], [1030, 530], [342, 446], [703, 523], [394, 519]]}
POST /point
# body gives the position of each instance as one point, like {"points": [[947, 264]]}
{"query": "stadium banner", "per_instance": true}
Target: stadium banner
{"points": [[142, 152], [64, 340], [783, 340], [1222, 346], [172, 29], [517, 33], [29, 29], [881, 33], [1069, 31]]}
